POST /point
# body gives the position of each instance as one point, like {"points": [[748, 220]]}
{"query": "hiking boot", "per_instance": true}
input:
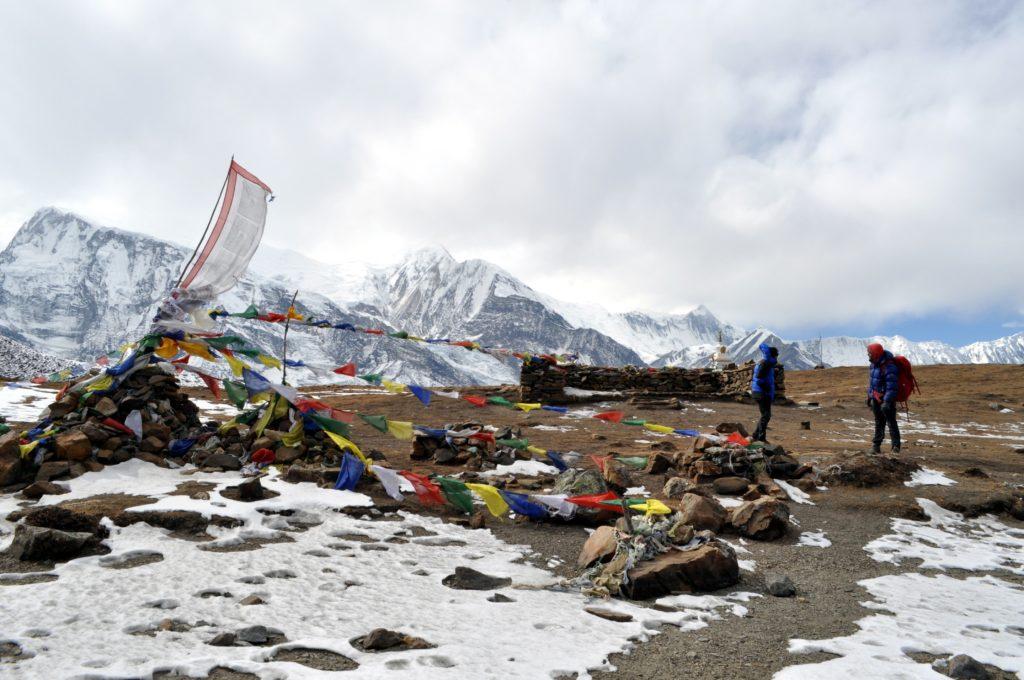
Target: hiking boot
{"points": [[876, 449], [895, 450]]}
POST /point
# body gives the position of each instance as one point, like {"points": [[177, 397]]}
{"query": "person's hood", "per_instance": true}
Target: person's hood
{"points": [[875, 352], [766, 352]]}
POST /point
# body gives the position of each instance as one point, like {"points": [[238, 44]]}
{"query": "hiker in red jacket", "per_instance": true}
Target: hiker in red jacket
{"points": [[882, 390]]}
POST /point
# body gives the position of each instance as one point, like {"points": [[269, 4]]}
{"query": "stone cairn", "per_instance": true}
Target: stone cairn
{"points": [[91, 434], [546, 383]]}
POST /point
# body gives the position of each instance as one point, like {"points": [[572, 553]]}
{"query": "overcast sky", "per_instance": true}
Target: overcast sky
{"points": [[834, 166]]}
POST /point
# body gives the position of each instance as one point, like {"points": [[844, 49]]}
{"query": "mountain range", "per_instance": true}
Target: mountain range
{"points": [[74, 289]]}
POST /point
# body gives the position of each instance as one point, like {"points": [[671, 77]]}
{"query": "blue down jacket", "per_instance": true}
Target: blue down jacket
{"points": [[763, 380], [885, 378]]}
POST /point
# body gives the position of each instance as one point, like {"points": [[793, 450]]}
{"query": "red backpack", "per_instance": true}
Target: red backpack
{"points": [[907, 383]]}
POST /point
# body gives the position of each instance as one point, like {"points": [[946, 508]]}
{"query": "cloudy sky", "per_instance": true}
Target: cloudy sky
{"points": [[812, 167]]}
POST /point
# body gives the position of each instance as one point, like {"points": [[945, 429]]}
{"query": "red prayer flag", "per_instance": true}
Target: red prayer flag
{"points": [[373, 331], [483, 436], [211, 383], [103, 360], [426, 491], [347, 369], [737, 438], [263, 456], [121, 427], [611, 416], [475, 401], [599, 461], [343, 416], [595, 501], [38, 380], [272, 317]]}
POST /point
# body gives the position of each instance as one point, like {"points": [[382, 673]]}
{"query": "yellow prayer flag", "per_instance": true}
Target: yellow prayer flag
{"points": [[260, 398], [101, 384], [527, 407], [292, 314], [490, 496], [27, 448], [267, 360], [198, 349], [652, 507], [537, 451], [294, 436], [393, 387], [235, 363], [399, 429], [663, 429], [261, 424], [168, 349], [344, 444], [227, 425]]}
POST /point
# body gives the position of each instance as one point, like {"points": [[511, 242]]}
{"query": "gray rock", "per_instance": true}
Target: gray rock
{"points": [[465, 578], [223, 640], [222, 460], [40, 543], [780, 585], [254, 635], [966, 668]]}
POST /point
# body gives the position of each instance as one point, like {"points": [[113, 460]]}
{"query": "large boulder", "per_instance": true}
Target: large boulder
{"points": [[764, 519], [701, 512], [709, 566], [600, 545], [32, 543], [73, 446], [730, 486], [9, 447], [11, 470]]}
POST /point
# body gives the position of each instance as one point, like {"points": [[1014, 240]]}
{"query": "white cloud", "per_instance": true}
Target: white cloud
{"points": [[780, 163]]}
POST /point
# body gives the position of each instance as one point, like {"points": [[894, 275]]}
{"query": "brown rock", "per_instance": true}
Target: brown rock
{"points": [[112, 444], [676, 487], [152, 444], [702, 513], [11, 470], [764, 519], [52, 470], [73, 445], [478, 520], [152, 458], [611, 615], [9, 445], [731, 486], [96, 434], [658, 464], [37, 490], [156, 429], [106, 406], [287, 455], [705, 468], [600, 545], [252, 600], [710, 566]]}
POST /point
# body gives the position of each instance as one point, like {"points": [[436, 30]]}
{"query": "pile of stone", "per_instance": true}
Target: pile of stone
{"points": [[548, 383], [469, 444], [91, 431]]}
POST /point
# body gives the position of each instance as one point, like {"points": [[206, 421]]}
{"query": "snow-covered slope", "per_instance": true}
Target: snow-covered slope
{"points": [[1008, 350], [20, 361]]}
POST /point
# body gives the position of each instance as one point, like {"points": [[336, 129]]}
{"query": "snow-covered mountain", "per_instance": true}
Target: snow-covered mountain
{"points": [[21, 361], [75, 290]]}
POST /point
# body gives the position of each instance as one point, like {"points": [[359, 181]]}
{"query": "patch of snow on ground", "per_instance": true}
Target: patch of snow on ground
{"points": [[796, 495], [814, 539], [745, 565], [730, 501], [928, 477], [23, 403], [522, 467], [321, 590], [939, 615], [554, 428], [637, 491], [948, 541], [576, 392], [215, 408]]}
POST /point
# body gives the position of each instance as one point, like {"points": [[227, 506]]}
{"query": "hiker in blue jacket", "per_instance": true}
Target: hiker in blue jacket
{"points": [[762, 387], [885, 378]]}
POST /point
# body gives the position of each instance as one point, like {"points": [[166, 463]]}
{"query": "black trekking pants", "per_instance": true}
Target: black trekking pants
{"points": [[885, 414], [764, 404]]}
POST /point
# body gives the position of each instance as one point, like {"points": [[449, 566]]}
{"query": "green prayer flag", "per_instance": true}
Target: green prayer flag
{"points": [[250, 313], [247, 417], [456, 493], [635, 462], [4, 429], [332, 425], [378, 422], [225, 341], [149, 342], [400, 334], [250, 352], [634, 421], [520, 444], [236, 392], [500, 401], [374, 378]]}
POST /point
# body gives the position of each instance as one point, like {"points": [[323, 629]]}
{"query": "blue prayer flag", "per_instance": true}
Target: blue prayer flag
{"points": [[521, 504], [350, 473], [422, 393]]}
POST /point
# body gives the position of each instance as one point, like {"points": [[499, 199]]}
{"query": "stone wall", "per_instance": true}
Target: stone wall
{"points": [[541, 382]]}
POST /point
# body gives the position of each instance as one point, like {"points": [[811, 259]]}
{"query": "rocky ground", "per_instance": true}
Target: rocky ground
{"points": [[967, 427]]}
